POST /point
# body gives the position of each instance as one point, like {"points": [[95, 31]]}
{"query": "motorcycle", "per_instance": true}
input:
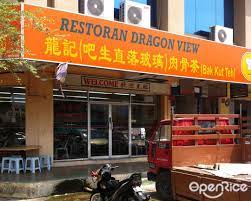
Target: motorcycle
{"points": [[110, 189]]}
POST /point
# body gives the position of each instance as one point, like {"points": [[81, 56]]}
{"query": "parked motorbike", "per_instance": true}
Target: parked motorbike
{"points": [[110, 189]]}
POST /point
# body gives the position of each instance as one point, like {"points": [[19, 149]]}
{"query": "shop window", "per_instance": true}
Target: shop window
{"points": [[99, 130], [120, 130], [201, 15], [144, 117], [70, 124], [12, 116]]}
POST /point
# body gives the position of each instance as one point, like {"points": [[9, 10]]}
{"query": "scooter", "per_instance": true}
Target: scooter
{"points": [[110, 189]]}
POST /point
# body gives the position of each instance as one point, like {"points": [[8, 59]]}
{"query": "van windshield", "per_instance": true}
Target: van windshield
{"points": [[163, 133]]}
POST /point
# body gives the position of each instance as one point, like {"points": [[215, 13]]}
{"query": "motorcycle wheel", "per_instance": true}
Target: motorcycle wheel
{"points": [[96, 197]]}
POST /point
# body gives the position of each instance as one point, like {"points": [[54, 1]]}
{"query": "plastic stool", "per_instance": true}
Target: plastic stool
{"points": [[46, 162], [32, 164], [16, 164], [5, 164]]}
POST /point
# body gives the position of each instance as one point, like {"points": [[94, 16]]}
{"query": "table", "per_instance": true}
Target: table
{"points": [[23, 150]]}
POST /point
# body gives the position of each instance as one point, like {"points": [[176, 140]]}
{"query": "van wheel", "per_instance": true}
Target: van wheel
{"points": [[164, 186]]}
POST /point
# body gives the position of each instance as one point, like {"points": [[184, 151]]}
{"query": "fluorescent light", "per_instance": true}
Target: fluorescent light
{"points": [[19, 87], [5, 92], [19, 98], [71, 90], [121, 94], [69, 100], [70, 96], [58, 95], [78, 91], [76, 97], [5, 97], [19, 101], [19, 93], [99, 92], [99, 98], [5, 101]]}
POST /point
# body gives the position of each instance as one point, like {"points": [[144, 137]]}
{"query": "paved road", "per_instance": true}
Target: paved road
{"points": [[147, 186]]}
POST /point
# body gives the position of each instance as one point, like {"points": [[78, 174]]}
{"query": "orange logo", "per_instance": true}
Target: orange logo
{"points": [[246, 65]]}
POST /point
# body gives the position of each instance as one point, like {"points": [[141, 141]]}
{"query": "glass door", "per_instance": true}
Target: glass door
{"points": [[109, 130], [120, 130], [99, 131]]}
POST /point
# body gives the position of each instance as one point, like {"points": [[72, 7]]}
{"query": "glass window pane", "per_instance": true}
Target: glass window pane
{"points": [[70, 125], [165, 132], [120, 132], [143, 119], [99, 130], [12, 116]]}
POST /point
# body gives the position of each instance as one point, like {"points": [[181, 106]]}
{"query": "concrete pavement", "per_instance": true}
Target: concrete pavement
{"points": [[147, 186], [60, 180]]}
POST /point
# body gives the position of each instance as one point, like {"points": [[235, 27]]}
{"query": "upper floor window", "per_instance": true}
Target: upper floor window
{"points": [[201, 15]]}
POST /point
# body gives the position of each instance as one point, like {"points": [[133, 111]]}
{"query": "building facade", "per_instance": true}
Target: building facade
{"points": [[101, 113]]}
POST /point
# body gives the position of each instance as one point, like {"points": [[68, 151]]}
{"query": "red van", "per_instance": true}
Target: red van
{"points": [[166, 135]]}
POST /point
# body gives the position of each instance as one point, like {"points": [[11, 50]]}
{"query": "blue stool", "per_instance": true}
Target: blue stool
{"points": [[5, 164], [16, 164], [45, 162], [32, 164]]}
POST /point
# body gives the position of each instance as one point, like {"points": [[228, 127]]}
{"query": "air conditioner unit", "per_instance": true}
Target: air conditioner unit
{"points": [[135, 13], [97, 8], [222, 35]]}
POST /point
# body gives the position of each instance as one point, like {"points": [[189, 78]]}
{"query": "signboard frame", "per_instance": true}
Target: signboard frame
{"points": [[145, 50]]}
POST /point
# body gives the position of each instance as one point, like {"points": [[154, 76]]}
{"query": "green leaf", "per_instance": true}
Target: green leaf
{"points": [[10, 36]]}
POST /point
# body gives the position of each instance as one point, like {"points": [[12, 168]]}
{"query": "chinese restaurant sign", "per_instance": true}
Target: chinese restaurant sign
{"points": [[89, 41], [115, 84]]}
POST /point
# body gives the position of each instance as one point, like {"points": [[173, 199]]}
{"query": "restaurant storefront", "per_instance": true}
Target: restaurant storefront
{"points": [[102, 124], [118, 84], [106, 131], [89, 122]]}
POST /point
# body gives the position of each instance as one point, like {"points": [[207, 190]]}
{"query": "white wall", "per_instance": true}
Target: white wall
{"points": [[248, 23], [69, 5], [171, 15], [36, 2]]}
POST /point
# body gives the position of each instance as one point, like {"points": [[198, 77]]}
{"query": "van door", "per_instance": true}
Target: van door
{"points": [[163, 149], [161, 146]]}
